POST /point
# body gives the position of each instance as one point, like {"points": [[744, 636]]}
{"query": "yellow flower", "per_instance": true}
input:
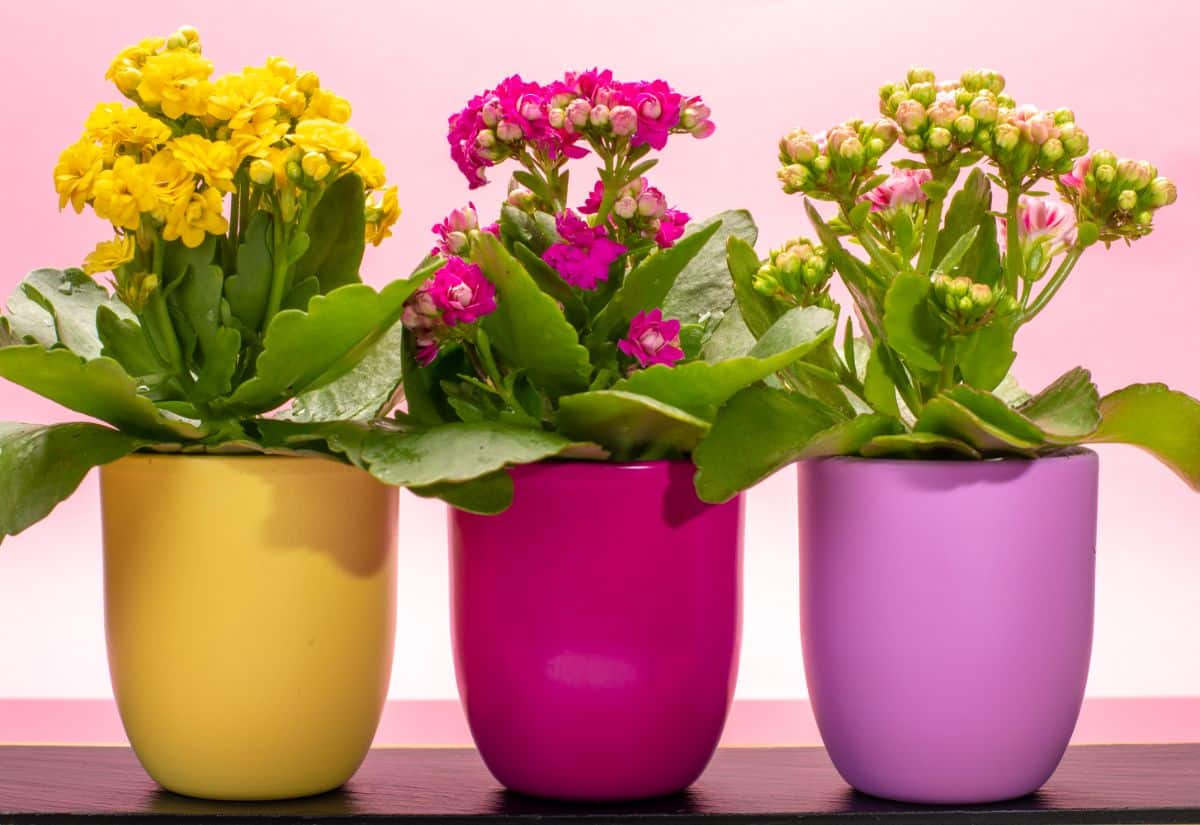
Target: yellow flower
{"points": [[215, 161], [125, 191], [108, 255], [382, 215], [261, 172], [325, 105], [172, 182], [279, 158], [315, 165], [370, 169], [75, 173], [125, 130], [257, 142], [176, 81], [191, 218], [339, 142], [281, 68], [125, 70]]}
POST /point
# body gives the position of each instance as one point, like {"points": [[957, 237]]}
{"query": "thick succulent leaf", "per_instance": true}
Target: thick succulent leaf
{"points": [[970, 209], [917, 445], [1068, 409], [336, 236], [41, 466], [757, 310], [646, 286], [363, 393], [878, 386], [913, 330], [198, 299], [552, 284], [99, 388], [125, 341], [987, 354], [486, 495], [629, 425], [704, 285], [700, 387], [1160, 420], [69, 299], [528, 329], [248, 288], [757, 432], [981, 420], [730, 339], [303, 351], [850, 436], [455, 452]]}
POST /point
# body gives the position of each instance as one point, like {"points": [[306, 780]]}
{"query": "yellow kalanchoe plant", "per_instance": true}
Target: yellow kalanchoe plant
{"points": [[240, 207]]}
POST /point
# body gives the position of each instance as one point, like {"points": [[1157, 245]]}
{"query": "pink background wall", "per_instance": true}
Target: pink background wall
{"points": [[1128, 70]]}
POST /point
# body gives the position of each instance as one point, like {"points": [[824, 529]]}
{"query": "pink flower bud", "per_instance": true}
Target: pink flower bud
{"points": [[943, 113], [599, 115], [910, 115], [557, 118], [492, 111], [508, 131], [625, 207], [651, 203], [1075, 178], [704, 130], [520, 197], [650, 107], [694, 114], [624, 120], [531, 108], [578, 111]]}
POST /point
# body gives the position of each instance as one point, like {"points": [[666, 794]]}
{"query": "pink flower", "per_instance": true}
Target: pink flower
{"points": [[696, 118], [461, 292], [423, 318], [1045, 218], [652, 340], [427, 350], [671, 227], [901, 188], [1075, 177], [453, 230], [585, 253], [658, 107]]}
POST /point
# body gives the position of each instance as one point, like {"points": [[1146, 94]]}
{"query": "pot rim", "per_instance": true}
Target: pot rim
{"points": [[143, 460], [1065, 454]]}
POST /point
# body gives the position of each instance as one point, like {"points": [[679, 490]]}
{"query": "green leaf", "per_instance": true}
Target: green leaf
{"points": [[70, 298], [970, 209], [364, 392], [981, 420], [552, 284], [41, 466], [456, 452], [878, 386], [913, 330], [528, 328], [336, 236], [986, 355], [248, 289], [199, 300], [1158, 419], [1068, 409], [917, 445], [125, 342], [648, 284], [700, 387], [731, 338], [303, 351], [178, 258], [757, 310], [99, 388], [486, 495], [629, 425], [757, 432], [955, 254], [704, 285], [303, 292]]}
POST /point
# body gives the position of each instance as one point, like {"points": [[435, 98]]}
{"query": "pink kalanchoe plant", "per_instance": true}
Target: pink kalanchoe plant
{"points": [[652, 340], [903, 187], [581, 330]]}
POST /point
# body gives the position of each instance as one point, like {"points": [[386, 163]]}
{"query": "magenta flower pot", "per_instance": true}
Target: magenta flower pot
{"points": [[596, 629], [946, 613]]}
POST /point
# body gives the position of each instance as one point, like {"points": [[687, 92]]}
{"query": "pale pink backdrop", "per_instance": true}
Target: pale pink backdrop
{"points": [[1129, 71]]}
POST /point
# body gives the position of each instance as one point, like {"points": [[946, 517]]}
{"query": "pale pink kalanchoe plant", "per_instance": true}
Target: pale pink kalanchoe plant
{"points": [[652, 340]]}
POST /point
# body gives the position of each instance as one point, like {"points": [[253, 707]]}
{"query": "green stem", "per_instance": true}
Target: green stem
{"points": [[1014, 261], [1053, 285], [158, 319], [867, 242], [949, 361], [279, 270], [930, 229]]}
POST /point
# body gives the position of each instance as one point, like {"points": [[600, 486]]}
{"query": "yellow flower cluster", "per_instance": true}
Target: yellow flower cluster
{"points": [[269, 136]]}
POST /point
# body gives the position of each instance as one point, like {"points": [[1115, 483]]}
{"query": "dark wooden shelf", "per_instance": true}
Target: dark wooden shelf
{"points": [[1096, 784]]}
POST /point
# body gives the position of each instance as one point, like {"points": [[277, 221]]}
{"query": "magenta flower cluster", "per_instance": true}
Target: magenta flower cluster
{"points": [[550, 120], [652, 340], [584, 254], [644, 210], [458, 294]]}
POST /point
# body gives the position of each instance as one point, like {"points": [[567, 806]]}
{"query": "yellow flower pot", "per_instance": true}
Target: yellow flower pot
{"points": [[250, 611]]}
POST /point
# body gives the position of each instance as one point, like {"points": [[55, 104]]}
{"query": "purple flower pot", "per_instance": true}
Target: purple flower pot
{"points": [[596, 629], [946, 614]]}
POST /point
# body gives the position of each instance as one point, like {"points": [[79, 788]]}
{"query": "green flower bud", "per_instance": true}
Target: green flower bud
{"points": [[971, 80], [1145, 217], [1136, 174], [789, 262], [177, 41], [1087, 234], [820, 164], [981, 295], [1127, 200], [798, 146], [941, 283], [984, 109], [959, 286], [942, 113], [1074, 140], [910, 116], [991, 81], [939, 138], [794, 178], [294, 172], [1162, 192], [965, 304], [1104, 174], [897, 97], [1062, 116], [1007, 136], [765, 280], [914, 143], [886, 130], [1006, 305], [1052, 150], [876, 147], [964, 127], [852, 151], [920, 74], [923, 93], [1103, 157]]}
